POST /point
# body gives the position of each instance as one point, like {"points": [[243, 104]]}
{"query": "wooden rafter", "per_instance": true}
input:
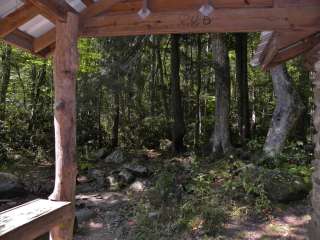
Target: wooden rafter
{"points": [[16, 19], [93, 10], [88, 2], [56, 9]]}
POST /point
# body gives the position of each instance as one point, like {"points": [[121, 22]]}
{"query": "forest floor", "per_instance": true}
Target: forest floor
{"points": [[165, 203]]}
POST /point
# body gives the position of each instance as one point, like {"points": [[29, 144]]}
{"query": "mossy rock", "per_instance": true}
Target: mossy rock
{"points": [[279, 185]]}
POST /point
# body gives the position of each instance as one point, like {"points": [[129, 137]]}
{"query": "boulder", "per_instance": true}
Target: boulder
{"points": [[137, 170], [280, 186], [118, 156], [101, 153], [98, 176], [126, 177], [11, 186], [139, 186]]}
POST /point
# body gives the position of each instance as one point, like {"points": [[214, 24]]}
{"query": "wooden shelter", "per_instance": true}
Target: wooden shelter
{"points": [[52, 27]]}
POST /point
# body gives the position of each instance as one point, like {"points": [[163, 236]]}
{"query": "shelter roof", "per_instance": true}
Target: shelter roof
{"points": [[30, 24]]}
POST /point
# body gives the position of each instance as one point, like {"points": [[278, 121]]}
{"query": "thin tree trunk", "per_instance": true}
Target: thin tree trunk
{"points": [[221, 136], [242, 77], [116, 119], [198, 94], [178, 128], [288, 110], [6, 70], [161, 78]]}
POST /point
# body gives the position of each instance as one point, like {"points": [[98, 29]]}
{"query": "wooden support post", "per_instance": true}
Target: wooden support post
{"points": [[65, 69], [314, 228]]}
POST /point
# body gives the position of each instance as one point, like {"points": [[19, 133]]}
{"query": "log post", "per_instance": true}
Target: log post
{"points": [[314, 227], [65, 68]]}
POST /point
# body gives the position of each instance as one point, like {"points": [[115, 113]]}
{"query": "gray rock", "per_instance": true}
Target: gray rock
{"points": [[280, 186], [126, 177], [137, 170], [10, 186], [101, 153], [118, 156], [138, 186], [98, 176], [84, 215], [113, 182], [166, 145]]}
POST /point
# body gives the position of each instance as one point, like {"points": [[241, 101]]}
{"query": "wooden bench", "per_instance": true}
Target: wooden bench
{"points": [[33, 219]]}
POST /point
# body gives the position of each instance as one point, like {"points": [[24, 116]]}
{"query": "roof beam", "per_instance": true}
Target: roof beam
{"points": [[98, 8], [191, 21], [296, 49], [57, 9], [20, 40], [94, 9], [16, 19], [88, 2], [44, 41]]}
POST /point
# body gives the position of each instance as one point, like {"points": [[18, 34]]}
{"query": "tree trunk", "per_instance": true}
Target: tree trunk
{"points": [[178, 128], [288, 110], [314, 227], [242, 77], [161, 79], [304, 89], [5, 79], [221, 136], [66, 62], [198, 94], [116, 119]]}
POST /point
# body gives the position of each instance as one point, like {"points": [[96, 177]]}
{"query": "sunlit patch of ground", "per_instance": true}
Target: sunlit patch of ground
{"points": [[290, 224]]}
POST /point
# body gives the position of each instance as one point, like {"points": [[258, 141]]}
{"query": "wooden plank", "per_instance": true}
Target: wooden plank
{"points": [[88, 2], [246, 20], [30, 220], [17, 18], [44, 41], [99, 7], [296, 3], [165, 5], [296, 49], [56, 8], [20, 40], [65, 66]]}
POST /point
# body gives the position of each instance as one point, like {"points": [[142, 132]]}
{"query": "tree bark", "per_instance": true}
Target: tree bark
{"points": [[161, 79], [198, 94], [178, 128], [242, 77], [66, 61], [116, 119], [5, 79], [288, 110], [314, 227], [221, 135]]}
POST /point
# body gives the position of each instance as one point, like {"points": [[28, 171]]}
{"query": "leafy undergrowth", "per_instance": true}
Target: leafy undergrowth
{"points": [[194, 198]]}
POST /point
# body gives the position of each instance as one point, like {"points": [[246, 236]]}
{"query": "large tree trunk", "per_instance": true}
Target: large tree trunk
{"points": [[314, 227], [5, 79], [221, 136], [178, 128], [66, 62], [242, 77], [288, 110]]}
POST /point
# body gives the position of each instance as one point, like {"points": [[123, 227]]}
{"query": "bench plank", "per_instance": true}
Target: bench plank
{"points": [[32, 219]]}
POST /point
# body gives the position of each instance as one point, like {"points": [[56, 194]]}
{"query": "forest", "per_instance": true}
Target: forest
{"points": [[178, 137]]}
